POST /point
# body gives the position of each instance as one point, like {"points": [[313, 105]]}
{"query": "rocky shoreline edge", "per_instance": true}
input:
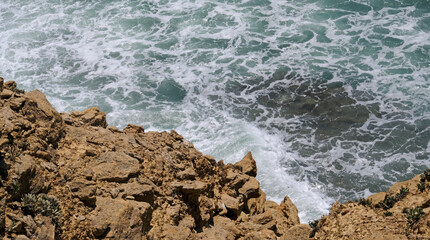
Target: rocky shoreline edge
{"points": [[71, 176]]}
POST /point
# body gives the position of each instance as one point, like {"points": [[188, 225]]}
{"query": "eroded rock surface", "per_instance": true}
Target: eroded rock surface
{"points": [[400, 213], [71, 176]]}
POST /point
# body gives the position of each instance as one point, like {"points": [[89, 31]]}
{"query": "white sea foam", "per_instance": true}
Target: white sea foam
{"points": [[223, 54]]}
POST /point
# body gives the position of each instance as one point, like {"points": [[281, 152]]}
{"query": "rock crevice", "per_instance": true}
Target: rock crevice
{"points": [[71, 176]]}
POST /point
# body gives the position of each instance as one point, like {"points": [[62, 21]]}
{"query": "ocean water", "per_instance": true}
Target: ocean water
{"points": [[331, 96]]}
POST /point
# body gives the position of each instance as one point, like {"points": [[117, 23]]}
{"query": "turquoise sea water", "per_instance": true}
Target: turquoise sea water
{"points": [[331, 96]]}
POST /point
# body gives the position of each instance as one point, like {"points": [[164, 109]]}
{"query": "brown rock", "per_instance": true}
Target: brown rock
{"points": [[16, 103], [46, 229], [140, 192], [256, 205], [175, 232], [10, 85], [1, 84], [2, 214], [377, 197], [105, 178], [131, 128], [114, 167], [93, 117], [22, 237], [264, 234], [231, 203], [247, 165], [298, 232], [3, 141], [262, 219], [188, 174], [25, 168], [120, 219], [228, 225], [215, 233], [6, 93], [193, 187], [85, 191], [290, 211], [43, 104], [250, 188]]}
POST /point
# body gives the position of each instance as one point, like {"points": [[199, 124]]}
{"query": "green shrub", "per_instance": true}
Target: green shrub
{"points": [[421, 186], [402, 194], [413, 214], [16, 186], [389, 201], [427, 174], [388, 213], [364, 202], [43, 204]]}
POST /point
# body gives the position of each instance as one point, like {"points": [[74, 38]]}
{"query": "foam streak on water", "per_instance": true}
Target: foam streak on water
{"points": [[222, 73]]}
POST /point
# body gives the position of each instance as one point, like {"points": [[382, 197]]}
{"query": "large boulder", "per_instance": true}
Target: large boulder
{"points": [[247, 165], [120, 219], [114, 167]]}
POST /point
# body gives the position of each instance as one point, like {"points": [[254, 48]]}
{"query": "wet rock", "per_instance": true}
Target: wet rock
{"points": [[247, 165], [169, 90], [114, 167]]}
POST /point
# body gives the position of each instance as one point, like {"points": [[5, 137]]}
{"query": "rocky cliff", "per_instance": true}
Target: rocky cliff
{"points": [[71, 176]]}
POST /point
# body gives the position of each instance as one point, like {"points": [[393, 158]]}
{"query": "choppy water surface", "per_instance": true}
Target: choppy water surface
{"points": [[331, 96]]}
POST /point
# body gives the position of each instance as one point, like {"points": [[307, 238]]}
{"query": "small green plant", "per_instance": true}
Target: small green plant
{"points": [[16, 186], [421, 186], [43, 204], [389, 201], [426, 174], [413, 214], [314, 226], [402, 193], [365, 202], [13, 149], [388, 213]]}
